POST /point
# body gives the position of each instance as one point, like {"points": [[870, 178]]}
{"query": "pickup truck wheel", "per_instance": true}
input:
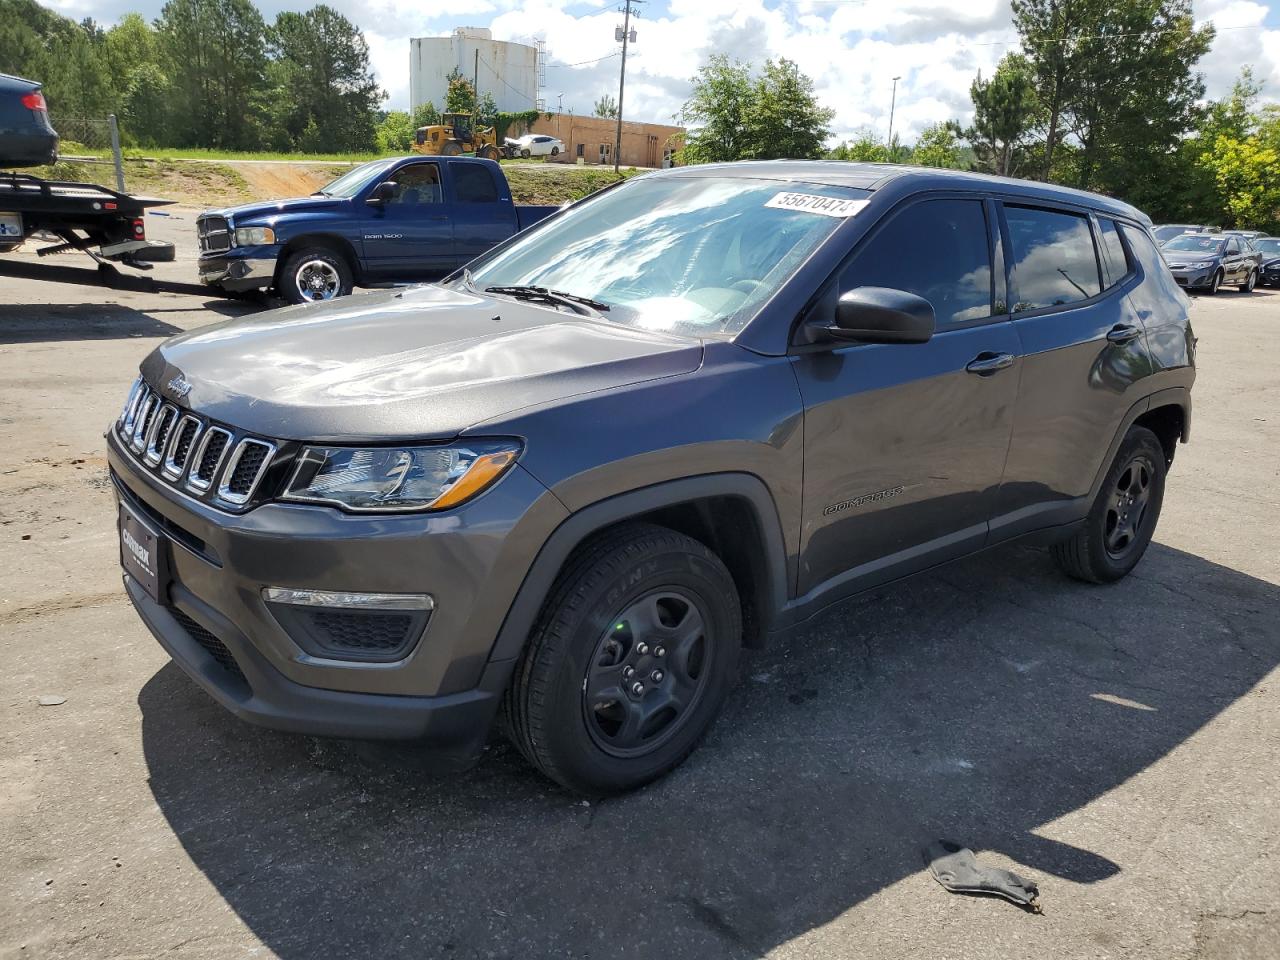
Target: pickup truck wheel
{"points": [[630, 661], [315, 275], [1118, 529]]}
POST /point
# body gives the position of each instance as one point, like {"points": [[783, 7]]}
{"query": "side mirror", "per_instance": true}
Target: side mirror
{"points": [[882, 315], [384, 192]]}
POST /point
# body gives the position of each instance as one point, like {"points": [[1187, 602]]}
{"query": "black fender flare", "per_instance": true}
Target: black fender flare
{"points": [[591, 519], [1169, 397]]}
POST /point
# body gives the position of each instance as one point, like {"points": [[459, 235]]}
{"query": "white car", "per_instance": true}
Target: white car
{"points": [[539, 145]]}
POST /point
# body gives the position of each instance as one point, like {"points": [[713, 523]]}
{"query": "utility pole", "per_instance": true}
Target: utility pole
{"points": [[622, 80], [475, 84], [893, 102]]}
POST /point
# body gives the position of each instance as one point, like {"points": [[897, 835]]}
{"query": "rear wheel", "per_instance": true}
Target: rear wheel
{"points": [[315, 275], [1118, 529], [1250, 282], [489, 153], [629, 663]]}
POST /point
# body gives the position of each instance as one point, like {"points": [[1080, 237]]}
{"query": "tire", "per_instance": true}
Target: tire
{"points": [[525, 153], [641, 598], [489, 153], [555, 151], [1108, 546], [452, 149], [315, 275], [1250, 282], [1216, 282]]}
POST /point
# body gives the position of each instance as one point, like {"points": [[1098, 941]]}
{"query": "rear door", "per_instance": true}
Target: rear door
{"points": [[1083, 349], [483, 212], [411, 234], [904, 444]]}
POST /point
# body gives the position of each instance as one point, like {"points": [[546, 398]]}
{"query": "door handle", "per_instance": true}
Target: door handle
{"points": [[1123, 333], [985, 364]]}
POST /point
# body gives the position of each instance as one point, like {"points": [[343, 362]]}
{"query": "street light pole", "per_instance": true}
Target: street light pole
{"points": [[893, 102]]}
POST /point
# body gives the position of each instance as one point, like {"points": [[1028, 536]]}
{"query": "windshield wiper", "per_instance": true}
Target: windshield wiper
{"points": [[558, 297]]}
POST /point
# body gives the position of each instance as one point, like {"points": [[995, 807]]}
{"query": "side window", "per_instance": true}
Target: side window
{"points": [[1233, 247], [472, 183], [1053, 258], [417, 183], [1116, 261], [1153, 265], [936, 249]]}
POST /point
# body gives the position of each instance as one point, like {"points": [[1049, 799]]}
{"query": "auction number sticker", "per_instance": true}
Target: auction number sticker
{"points": [[816, 203]]}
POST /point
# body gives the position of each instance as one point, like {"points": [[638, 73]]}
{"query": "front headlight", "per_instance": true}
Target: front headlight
{"points": [[400, 478], [1200, 265], [254, 236]]}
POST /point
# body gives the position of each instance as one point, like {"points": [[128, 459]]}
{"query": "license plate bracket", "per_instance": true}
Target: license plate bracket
{"points": [[144, 554]]}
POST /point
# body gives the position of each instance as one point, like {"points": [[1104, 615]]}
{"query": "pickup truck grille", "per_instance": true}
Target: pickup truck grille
{"points": [[214, 234], [203, 459]]}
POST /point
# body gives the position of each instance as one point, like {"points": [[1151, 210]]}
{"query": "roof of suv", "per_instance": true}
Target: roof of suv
{"points": [[872, 176]]}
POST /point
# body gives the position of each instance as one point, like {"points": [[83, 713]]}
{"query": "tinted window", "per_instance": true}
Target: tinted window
{"points": [[473, 184], [936, 249], [1233, 246], [1053, 258], [1153, 265], [1195, 243], [1116, 261], [1269, 246]]}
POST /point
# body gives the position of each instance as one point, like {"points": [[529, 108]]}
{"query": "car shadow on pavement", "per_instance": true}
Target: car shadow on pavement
{"points": [[978, 703], [56, 322]]}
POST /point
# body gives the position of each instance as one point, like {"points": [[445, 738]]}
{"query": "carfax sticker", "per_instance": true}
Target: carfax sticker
{"points": [[815, 203]]}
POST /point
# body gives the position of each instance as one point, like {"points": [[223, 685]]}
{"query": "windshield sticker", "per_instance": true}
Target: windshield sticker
{"points": [[814, 203]]}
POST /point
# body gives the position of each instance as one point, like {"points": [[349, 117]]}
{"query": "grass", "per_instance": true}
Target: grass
{"points": [[201, 153]]}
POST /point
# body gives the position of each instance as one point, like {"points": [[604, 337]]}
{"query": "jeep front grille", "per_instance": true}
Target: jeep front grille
{"points": [[206, 460]]}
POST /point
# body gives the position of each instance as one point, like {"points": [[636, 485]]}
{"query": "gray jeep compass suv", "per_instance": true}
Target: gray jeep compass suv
{"points": [[567, 484]]}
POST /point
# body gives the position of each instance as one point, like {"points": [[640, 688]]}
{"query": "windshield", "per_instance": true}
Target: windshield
{"points": [[1268, 245], [1169, 232], [353, 181], [1195, 243], [692, 255]]}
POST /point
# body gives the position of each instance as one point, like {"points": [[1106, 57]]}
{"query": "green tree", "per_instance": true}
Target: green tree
{"points": [[1005, 111], [717, 112], [1245, 172], [216, 55], [938, 146], [606, 106], [1050, 30], [486, 110], [425, 115], [395, 133], [783, 117], [136, 59], [865, 147], [461, 95], [324, 78]]}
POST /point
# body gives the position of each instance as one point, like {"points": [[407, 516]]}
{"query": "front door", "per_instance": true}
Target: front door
{"points": [[410, 235], [904, 444]]}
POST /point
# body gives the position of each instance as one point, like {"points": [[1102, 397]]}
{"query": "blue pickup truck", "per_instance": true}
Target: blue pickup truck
{"points": [[399, 219]]}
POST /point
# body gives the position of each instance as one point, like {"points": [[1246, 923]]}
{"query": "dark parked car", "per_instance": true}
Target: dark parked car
{"points": [[570, 482], [26, 137], [1205, 261], [1167, 231], [1269, 249]]}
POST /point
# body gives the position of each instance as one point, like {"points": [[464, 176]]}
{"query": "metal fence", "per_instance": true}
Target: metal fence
{"points": [[92, 134]]}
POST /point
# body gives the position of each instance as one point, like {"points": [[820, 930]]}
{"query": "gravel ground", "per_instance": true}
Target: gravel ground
{"points": [[1118, 745]]}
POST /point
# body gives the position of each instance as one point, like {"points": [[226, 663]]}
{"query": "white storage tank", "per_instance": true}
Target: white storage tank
{"points": [[508, 71]]}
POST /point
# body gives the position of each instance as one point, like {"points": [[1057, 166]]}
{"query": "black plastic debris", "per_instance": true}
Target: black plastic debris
{"points": [[958, 870]]}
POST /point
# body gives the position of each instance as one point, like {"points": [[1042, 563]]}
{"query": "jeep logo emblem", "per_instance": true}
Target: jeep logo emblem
{"points": [[178, 387]]}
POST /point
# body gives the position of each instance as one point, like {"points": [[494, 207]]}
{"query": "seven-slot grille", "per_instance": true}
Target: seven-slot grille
{"points": [[214, 234], [190, 452]]}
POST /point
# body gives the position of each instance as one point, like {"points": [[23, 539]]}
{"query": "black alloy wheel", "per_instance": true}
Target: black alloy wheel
{"points": [[1127, 507]]}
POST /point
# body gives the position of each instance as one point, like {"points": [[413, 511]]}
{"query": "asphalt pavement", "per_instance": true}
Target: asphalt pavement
{"points": [[1119, 745]]}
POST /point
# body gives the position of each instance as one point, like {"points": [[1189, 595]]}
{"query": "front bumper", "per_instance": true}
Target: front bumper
{"points": [[215, 624], [240, 268], [1194, 279]]}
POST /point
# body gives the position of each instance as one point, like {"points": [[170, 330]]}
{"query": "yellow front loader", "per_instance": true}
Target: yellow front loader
{"points": [[455, 135]]}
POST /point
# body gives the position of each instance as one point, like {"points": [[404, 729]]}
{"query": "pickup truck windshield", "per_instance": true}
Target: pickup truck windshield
{"points": [[691, 255], [353, 181]]}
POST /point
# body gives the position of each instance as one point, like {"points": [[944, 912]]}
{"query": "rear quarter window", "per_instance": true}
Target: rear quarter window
{"points": [[1115, 260], [472, 183], [1054, 261]]}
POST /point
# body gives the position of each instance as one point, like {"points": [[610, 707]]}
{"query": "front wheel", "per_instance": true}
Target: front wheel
{"points": [[555, 151], [525, 153], [315, 275], [1118, 529], [1216, 282], [632, 657], [1250, 282]]}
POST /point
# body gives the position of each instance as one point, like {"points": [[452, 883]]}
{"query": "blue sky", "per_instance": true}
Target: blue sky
{"points": [[851, 48]]}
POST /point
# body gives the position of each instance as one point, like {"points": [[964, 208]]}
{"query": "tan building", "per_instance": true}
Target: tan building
{"points": [[591, 139]]}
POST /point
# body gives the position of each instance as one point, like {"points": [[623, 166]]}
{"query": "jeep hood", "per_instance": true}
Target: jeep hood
{"points": [[421, 363]]}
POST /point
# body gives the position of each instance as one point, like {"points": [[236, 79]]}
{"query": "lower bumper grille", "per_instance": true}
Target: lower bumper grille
{"points": [[212, 645]]}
